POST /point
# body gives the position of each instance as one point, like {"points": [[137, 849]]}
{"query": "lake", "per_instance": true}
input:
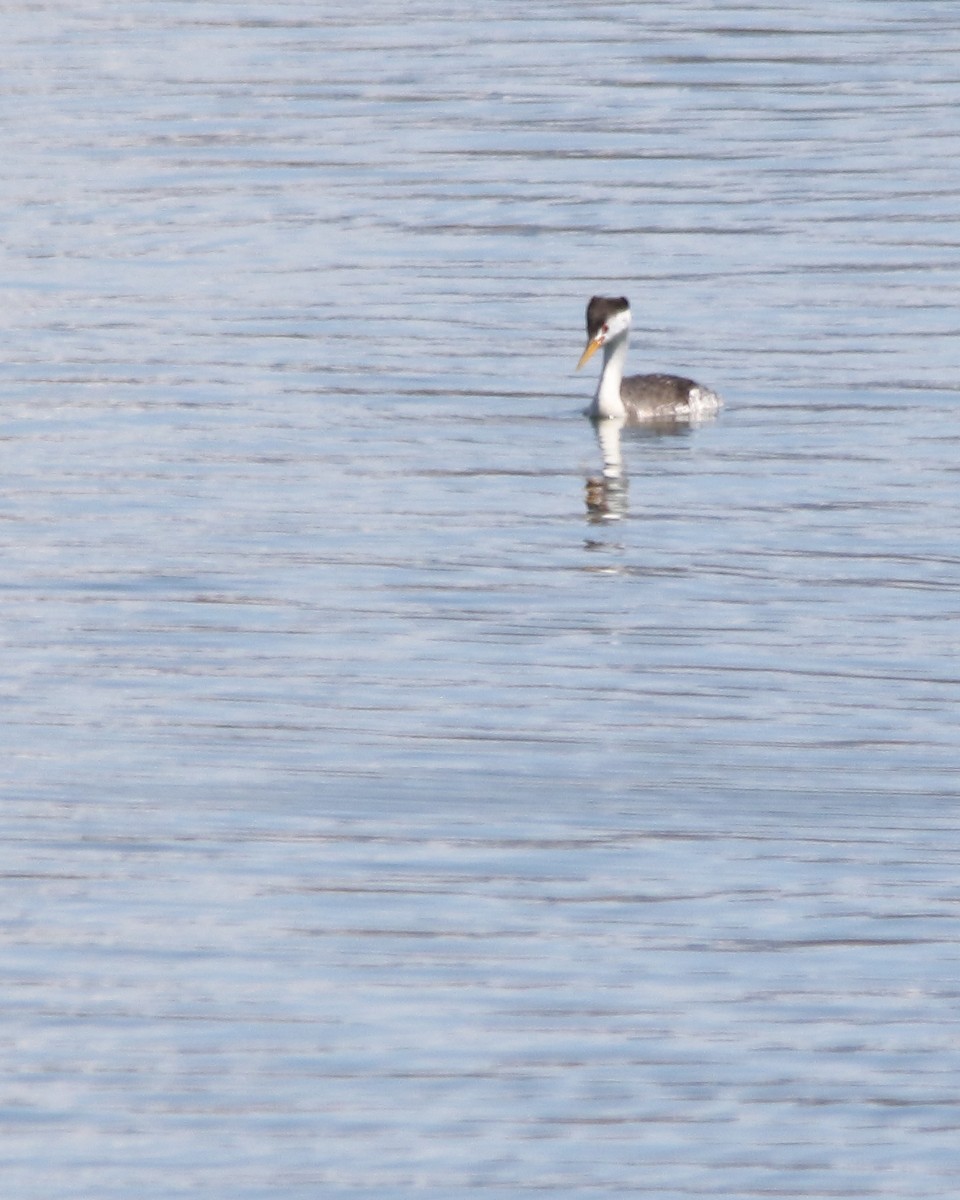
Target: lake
{"points": [[408, 788]]}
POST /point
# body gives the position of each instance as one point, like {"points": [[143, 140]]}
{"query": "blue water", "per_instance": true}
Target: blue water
{"points": [[381, 814]]}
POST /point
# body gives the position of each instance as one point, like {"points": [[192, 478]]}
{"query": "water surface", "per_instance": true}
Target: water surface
{"points": [[382, 815]]}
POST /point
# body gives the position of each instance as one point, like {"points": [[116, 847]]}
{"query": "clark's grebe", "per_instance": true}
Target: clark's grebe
{"points": [[638, 397]]}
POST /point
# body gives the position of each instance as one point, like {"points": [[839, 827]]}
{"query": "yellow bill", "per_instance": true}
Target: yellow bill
{"points": [[592, 347]]}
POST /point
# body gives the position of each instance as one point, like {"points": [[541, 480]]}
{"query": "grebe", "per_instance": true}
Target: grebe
{"points": [[638, 397]]}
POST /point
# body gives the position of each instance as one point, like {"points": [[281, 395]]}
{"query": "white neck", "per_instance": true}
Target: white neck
{"points": [[607, 402]]}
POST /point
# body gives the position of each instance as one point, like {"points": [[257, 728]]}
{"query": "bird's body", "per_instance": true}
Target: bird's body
{"points": [[637, 397]]}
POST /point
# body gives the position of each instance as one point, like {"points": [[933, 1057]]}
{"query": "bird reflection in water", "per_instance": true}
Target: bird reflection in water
{"points": [[606, 495]]}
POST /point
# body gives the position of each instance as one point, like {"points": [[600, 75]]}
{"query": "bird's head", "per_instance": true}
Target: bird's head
{"points": [[607, 317]]}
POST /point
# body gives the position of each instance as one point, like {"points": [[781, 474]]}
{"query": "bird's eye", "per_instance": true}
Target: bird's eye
{"points": [[605, 329]]}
